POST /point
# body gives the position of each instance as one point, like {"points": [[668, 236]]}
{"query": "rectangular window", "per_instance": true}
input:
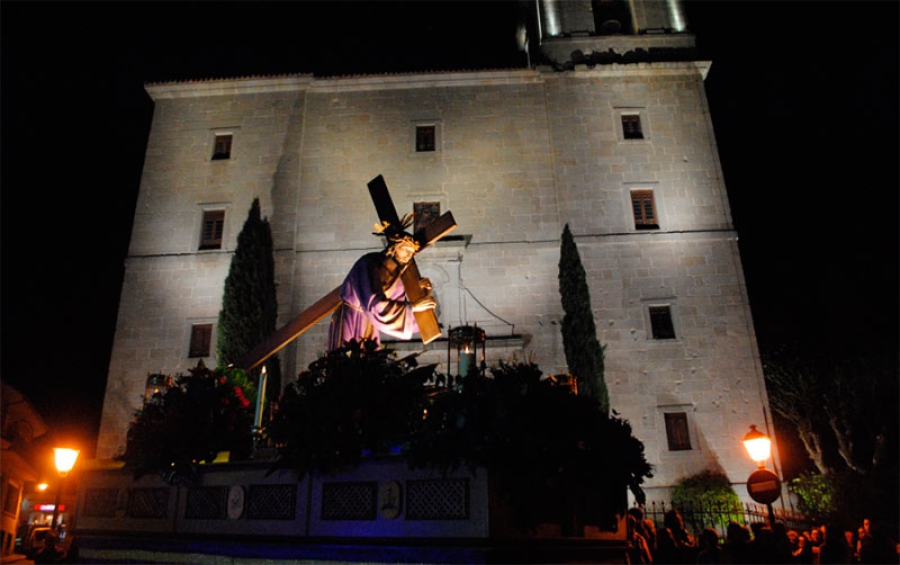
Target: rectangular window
{"points": [[644, 207], [677, 431], [631, 126], [661, 326], [425, 138], [425, 213], [222, 148], [213, 227], [201, 340]]}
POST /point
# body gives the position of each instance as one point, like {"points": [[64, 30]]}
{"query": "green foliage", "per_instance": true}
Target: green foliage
{"points": [[844, 499], [816, 494], [708, 490], [532, 436], [202, 414], [584, 354], [249, 303], [843, 406], [355, 400]]}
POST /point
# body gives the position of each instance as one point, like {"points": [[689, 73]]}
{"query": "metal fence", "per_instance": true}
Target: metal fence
{"points": [[699, 517]]}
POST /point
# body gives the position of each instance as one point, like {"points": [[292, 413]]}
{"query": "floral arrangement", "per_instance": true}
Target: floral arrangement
{"points": [[542, 442], [203, 414], [552, 452]]}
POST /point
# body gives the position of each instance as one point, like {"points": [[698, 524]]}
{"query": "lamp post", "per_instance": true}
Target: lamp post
{"points": [[64, 459], [763, 485]]}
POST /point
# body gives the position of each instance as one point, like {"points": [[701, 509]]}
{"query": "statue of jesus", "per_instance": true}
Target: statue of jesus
{"points": [[373, 298]]}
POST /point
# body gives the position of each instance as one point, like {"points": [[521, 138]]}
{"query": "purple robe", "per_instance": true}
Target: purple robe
{"points": [[367, 307]]}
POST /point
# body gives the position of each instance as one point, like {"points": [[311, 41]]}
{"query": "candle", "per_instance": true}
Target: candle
{"points": [[260, 401], [466, 360]]}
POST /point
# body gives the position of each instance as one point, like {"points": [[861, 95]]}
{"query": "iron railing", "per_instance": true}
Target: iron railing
{"points": [[718, 516]]}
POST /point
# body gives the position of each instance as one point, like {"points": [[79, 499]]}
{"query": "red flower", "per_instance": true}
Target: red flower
{"points": [[239, 393]]}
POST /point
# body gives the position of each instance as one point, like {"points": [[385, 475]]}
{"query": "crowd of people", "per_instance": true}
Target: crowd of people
{"points": [[760, 543]]}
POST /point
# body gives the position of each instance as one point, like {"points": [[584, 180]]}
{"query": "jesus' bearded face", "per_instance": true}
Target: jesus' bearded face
{"points": [[404, 252]]}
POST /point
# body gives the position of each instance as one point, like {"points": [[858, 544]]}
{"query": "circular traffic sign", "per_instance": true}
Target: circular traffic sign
{"points": [[764, 486]]}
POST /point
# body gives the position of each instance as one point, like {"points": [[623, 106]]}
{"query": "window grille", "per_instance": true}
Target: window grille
{"points": [[644, 207], [677, 434], [201, 340], [425, 138], [631, 126], [213, 227]]}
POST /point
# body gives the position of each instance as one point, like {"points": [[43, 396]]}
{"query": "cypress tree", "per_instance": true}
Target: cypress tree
{"points": [[584, 354], [249, 303]]}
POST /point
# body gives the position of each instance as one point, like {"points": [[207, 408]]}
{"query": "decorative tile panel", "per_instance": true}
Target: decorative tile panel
{"points": [[100, 502], [271, 502], [205, 503], [349, 501], [148, 503], [437, 499]]}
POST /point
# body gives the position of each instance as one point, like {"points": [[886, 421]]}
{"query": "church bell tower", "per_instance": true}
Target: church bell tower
{"points": [[565, 33]]}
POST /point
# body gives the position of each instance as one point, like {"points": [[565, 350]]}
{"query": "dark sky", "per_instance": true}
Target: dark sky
{"points": [[803, 96]]}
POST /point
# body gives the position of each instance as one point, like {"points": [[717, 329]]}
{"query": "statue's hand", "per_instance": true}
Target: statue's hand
{"points": [[424, 303], [425, 284]]}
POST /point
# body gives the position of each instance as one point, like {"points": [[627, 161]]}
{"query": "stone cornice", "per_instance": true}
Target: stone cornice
{"points": [[231, 86], [454, 79], [636, 69], [427, 80]]}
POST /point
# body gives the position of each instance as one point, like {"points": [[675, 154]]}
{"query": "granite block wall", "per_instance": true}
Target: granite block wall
{"points": [[519, 154]]}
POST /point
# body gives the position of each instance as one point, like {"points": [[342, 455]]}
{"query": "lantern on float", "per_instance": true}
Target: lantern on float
{"points": [[467, 341], [155, 387]]}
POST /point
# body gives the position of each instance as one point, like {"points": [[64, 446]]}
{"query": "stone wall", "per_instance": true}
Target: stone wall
{"points": [[519, 155]]}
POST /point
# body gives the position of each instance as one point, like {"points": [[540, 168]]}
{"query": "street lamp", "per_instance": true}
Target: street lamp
{"points": [[763, 485], [758, 446], [64, 459]]}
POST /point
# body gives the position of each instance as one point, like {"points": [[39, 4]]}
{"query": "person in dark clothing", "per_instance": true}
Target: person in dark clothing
{"points": [[803, 555], [673, 543], [710, 552], [737, 544], [834, 549], [875, 546]]}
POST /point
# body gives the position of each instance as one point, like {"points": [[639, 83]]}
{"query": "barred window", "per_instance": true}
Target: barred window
{"points": [[644, 208], [677, 433], [631, 126], [425, 138], [213, 227], [201, 340], [424, 213]]}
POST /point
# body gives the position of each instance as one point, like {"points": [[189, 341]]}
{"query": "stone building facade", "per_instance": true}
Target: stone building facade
{"points": [[618, 146]]}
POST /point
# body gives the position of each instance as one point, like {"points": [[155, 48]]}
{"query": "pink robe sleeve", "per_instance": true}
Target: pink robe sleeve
{"points": [[368, 310]]}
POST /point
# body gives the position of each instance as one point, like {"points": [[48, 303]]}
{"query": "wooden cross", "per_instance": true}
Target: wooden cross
{"points": [[429, 329]]}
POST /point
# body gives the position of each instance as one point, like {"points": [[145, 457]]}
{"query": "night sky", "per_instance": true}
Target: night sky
{"points": [[803, 97]]}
